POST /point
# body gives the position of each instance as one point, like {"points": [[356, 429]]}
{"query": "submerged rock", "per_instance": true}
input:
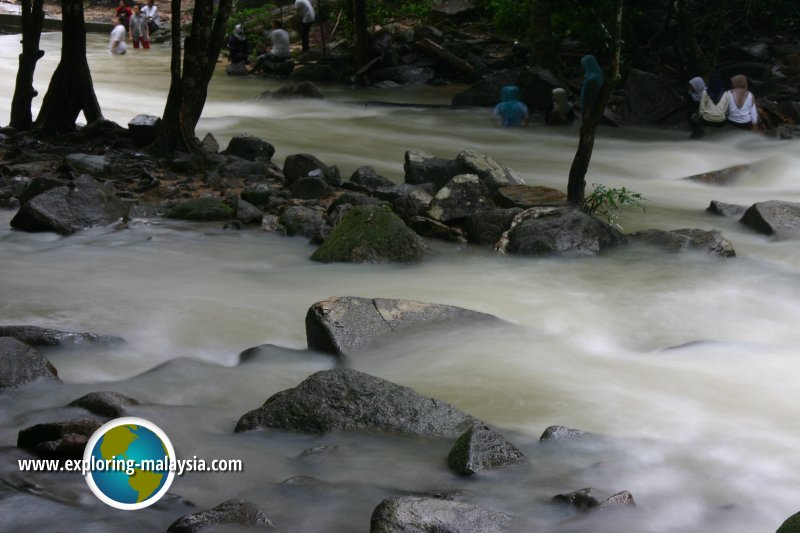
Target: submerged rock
{"points": [[38, 336], [681, 240], [343, 325], [583, 499], [201, 210], [371, 234], [58, 440], [345, 399], [231, 512], [772, 217], [725, 176], [482, 448], [411, 514], [21, 364], [94, 165], [105, 403], [726, 210], [564, 433]]}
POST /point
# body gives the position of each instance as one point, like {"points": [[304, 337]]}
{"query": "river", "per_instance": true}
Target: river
{"points": [[704, 436]]}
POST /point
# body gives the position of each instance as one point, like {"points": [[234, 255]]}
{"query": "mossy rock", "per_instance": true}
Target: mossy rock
{"points": [[371, 234], [201, 209], [791, 525]]}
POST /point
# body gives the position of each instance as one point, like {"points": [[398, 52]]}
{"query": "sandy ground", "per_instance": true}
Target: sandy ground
{"points": [[93, 13]]}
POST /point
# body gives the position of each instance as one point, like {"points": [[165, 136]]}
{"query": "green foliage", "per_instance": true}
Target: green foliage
{"points": [[254, 21], [608, 202], [509, 17]]}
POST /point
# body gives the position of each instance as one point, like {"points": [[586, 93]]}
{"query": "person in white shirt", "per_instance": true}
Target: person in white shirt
{"points": [[307, 16], [742, 111], [150, 11], [116, 44]]}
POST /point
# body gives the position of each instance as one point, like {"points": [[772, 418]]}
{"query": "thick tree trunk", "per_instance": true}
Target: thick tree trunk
{"points": [[189, 88], [71, 90], [361, 45], [576, 186], [24, 93], [544, 50]]}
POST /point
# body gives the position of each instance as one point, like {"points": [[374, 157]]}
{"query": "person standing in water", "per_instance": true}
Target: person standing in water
{"points": [[510, 110], [140, 33], [116, 44], [593, 79]]}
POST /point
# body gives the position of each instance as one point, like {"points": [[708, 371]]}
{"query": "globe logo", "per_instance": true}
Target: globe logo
{"points": [[128, 463]]}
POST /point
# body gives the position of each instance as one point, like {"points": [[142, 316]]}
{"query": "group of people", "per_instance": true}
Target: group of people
{"points": [[137, 23], [714, 106]]}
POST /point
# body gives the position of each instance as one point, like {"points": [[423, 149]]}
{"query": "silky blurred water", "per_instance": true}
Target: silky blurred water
{"points": [[705, 436]]}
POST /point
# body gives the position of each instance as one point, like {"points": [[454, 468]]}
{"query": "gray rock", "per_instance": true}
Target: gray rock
{"points": [[105, 403], [422, 168], [583, 499], [67, 209], [311, 187], [558, 232], [94, 165], [236, 69], [343, 325], [248, 213], [303, 89], [491, 173], [726, 210], [481, 448], [412, 204], [433, 229], [366, 178], [249, 147], [411, 514], [355, 198], [249, 170], [312, 72], [38, 336], [564, 433], [58, 440], [461, 197], [772, 217], [725, 176], [620, 499], [682, 240], [649, 98], [231, 512], [488, 226], [526, 196], [298, 166], [144, 129], [201, 210], [210, 143], [21, 364], [345, 399], [300, 220]]}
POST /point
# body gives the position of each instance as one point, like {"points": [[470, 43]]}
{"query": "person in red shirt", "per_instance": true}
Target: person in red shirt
{"points": [[124, 13]]}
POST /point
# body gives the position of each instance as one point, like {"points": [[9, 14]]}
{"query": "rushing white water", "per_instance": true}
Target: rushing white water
{"points": [[704, 436]]}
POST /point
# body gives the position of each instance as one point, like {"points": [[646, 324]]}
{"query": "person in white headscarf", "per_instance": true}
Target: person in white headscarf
{"points": [[696, 88], [561, 111], [238, 46]]}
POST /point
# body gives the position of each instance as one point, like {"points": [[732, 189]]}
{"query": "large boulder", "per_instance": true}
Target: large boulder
{"points": [[649, 98], [201, 210], [21, 364], [38, 336], [681, 240], [345, 399], [65, 209], [230, 513], [481, 448], [94, 165], [412, 514], [346, 324], [587, 500], [249, 147], [491, 173], [58, 440], [371, 234], [772, 217], [298, 166], [790, 525], [558, 232], [105, 403], [421, 167], [488, 226], [462, 196]]}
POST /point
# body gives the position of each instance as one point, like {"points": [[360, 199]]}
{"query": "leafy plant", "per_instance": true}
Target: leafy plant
{"points": [[609, 202]]}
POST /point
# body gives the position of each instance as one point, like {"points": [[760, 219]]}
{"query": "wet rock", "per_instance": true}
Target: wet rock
{"points": [[303, 89], [481, 448], [649, 98], [58, 440], [249, 147], [682, 240], [201, 209], [21, 364], [301, 220], [298, 166], [564, 433], [620, 499], [233, 225], [94, 165], [345, 399], [367, 179], [248, 213], [772, 217], [311, 187], [433, 229], [269, 351], [355, 198], [526, 196], [231, 512], [726, 210], [144, 129], [210, 144], [236, 69], [258, 197], [725, 176], [489, 171], [38, 336], [314, 73], [404, 74], [790, 525], [421, 167], [253, 171], [65, 209], [343, 325], [409, 514], [461, 197], [558, 232], [582, 500], [488, 226], [105, 403], [371, 234], [412, 204]]}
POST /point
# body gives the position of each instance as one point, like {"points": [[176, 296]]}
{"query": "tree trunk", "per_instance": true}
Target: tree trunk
{"points": [[71, 90], [361, 45], [189, 86], [32, 19], [576, 186], [544, 50]]}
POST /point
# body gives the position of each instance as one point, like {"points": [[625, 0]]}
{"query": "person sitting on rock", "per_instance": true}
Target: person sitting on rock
{"points": [[696, 88], [238, 46], [713, 108], [123, 13], [280, 53], [510, 111], [742, 111], [150, 11], [561, 112]]}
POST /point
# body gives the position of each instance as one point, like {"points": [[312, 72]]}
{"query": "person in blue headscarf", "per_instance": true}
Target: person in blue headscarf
{"points": [[593, 80], [510, 110]]}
